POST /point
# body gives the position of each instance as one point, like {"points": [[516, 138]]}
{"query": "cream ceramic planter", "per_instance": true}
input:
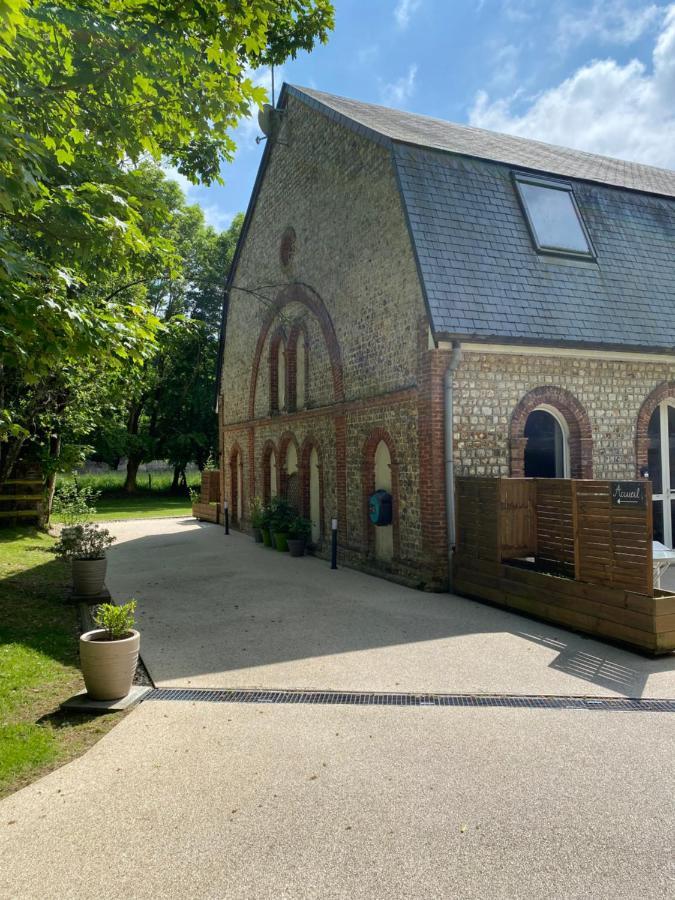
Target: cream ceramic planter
{"points": [[89, 576], [108, 666]]}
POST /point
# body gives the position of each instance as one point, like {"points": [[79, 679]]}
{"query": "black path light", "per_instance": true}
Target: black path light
{"points": [[333, 548], [226, 516]]}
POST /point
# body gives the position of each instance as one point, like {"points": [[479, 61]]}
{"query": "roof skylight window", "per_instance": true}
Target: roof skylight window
{"points": [[553, 217]]}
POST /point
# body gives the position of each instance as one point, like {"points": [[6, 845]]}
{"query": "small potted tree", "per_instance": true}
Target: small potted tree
{"points": [[85, 545], [109, 653], [299, 531], [265, 525], [282, 514], [257, 519]]}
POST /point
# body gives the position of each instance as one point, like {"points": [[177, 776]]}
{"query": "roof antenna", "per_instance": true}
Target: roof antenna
{"points": [[269, 119]]}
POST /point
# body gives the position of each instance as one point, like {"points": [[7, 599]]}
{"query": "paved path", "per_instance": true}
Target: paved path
{"points": [[224, 801], [225, 612], [204, 801]]}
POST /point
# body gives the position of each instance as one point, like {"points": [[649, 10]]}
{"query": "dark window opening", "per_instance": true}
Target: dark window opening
{"points": [[545, 448]]}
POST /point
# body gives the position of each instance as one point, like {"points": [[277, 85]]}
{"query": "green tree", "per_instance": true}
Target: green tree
{"points": [[89, 89]]}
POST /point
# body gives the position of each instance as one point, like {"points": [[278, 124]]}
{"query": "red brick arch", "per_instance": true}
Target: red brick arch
{"points": [[368, 485], [298, 293], [578, 423], [664, 391]]}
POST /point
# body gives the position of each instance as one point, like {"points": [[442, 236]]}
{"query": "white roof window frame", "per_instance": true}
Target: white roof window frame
{"points": [[556, 185]]}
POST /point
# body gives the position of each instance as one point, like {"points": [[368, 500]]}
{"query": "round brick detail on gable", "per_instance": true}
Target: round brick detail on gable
{"points": [[287, 247], [578, 423]]}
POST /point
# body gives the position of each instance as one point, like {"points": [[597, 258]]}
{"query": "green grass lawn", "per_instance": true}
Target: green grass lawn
{"points": [[38, 663], [152, 500]]}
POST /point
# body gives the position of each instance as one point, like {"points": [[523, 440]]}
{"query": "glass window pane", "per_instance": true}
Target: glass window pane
{"points": [[654, 451], [554, 218], [671, 445], [658, 520]]}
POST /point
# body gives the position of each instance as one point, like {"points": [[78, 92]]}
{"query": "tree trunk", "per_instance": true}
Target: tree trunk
{"points": [[54, 451], [174, 484], [133, 464]]}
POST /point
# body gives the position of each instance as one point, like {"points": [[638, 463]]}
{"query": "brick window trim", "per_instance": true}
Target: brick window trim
{"points": [[664, 391], [578, 423], [297, 293], [368, 487]]}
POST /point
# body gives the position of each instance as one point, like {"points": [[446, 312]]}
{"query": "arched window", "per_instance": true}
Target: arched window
{"points": [[292, 485], [547, 451], [278, 374], [297, 367], [311, 488], [300, 372], [236, 485], [550, 436], [270, 480], [655, 456], [380, 472]]}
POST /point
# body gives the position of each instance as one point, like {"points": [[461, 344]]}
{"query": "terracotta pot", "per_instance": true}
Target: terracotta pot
{"points": [[108, 666], [89, 576], [296, 546], [281, 541], [266, 537]]}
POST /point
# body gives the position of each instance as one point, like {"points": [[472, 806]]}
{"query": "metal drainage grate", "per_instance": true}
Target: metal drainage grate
{"points": [[357, 698]]}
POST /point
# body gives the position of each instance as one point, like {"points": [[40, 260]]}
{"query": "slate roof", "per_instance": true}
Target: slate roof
{"points": [[481, 275]]}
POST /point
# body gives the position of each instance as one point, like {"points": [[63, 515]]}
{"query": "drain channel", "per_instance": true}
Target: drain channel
{"points": [[364, 698]]}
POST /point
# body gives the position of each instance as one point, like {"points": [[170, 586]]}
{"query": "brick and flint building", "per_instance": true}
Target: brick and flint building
{"points": [[404, 286]]}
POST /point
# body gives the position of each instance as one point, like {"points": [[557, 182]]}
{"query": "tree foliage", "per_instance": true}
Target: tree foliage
{"points": [[90, 92]]}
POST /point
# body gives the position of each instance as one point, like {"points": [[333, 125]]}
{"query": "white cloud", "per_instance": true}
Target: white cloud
{"points": [[216, 217], [618, 22], [173, 173], [626, 111], [397, 93], [404, 11]]}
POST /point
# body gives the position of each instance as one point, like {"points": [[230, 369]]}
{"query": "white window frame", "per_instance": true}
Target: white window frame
{"points": [[667, 491], [565, 431]]}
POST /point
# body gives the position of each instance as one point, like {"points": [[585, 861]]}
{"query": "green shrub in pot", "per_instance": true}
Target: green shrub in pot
{"points": [[109, 653], [85, 546], [282, 514], [257, 516], [299, 531]]}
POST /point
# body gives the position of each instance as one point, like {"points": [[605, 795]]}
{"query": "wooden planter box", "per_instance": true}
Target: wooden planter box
{"points": [[589, 560], [206, 512]]}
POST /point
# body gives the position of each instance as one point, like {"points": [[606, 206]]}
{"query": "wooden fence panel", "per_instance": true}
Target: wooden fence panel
{"points": [[613, 544], [518, 522], [22, 500], [477, 517], [210, 489], [555, 532]]}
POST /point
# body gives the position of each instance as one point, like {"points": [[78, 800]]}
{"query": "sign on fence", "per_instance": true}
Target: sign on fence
{"points": [[628, 493]]}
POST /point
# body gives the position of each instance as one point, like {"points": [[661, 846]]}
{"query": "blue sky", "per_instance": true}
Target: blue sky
{"points": [[598, 75]]}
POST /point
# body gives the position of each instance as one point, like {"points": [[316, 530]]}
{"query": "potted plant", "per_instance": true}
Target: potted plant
{"points": [[85, 546], [282, 514], [109, 653], [265, 526], [257, 519], [299, 531]]}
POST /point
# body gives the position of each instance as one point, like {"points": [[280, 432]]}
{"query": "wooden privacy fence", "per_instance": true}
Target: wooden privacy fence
{"points": [[207, 508], [22, 500], [576, 551]]}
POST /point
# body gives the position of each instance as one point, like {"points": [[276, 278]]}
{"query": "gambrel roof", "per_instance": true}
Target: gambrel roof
{"points": [[482, 277]]}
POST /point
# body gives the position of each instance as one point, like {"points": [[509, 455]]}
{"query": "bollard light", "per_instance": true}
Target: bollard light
{"points": [[333, 549], [226, 516]]}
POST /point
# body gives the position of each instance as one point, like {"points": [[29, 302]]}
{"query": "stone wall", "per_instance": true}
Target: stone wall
{"points": [[489, 387]]}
